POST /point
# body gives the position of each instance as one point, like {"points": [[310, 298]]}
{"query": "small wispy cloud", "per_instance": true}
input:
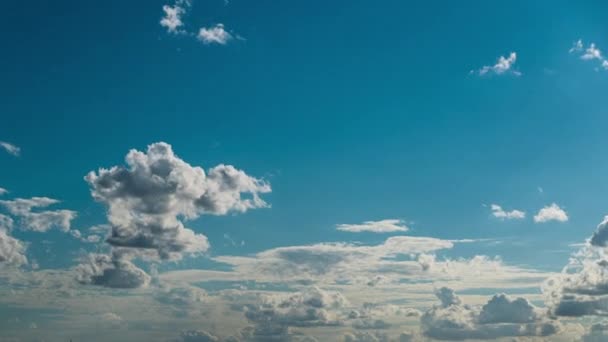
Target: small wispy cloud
{"points": [[382, 226], [591, 53], [504, 65], [499, 212], [214, 35], [10, 148], [551, 213]]}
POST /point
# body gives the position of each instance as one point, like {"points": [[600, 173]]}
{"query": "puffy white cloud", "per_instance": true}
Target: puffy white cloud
{"points": [[147, 198], [502, 66], [172, 20], [591, 53], [3, 191], [12, 251], [111, 271], [39, 221], [10, 148], [382, 226], [182, 300], [214, 35], [500, 213], [551, 213], [500, 317]]}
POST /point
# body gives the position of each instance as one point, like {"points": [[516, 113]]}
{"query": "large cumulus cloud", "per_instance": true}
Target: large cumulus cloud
{"points": [[582, 287], [111, 271], [147, 199], [12, 251], [499, 317]]}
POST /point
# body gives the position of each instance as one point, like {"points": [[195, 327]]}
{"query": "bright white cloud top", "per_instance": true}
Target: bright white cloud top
{"points": [[10, 148], [551, 213], [504, 65], [214, 35]]}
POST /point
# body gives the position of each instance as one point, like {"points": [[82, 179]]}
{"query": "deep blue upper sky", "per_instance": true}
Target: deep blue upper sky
{"points": [[352, 112]]}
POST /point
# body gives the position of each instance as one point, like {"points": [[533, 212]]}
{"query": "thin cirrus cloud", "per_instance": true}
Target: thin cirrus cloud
{"points": [[382, 226], [10, 148], [173, 22], [551, 213], [499, 212], [591, 53], [504, 65]]}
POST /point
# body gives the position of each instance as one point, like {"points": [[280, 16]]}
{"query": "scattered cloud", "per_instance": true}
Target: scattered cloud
{"points": [[500, 213], [214, 35], [500, 317], [3, 191], [111, 271], [551, 213], [382, 226], [39, 221], [10, 148], [504, 65], [12, 251], [591, 53]]}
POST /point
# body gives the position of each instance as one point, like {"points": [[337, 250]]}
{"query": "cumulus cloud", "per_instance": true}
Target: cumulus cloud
{"points": [[172, 19], [39, 221], [500, 213], [182, 300], [504, 65], [591, 53], [499, 317], [12, 251], [147, 199], [214, 35], [111, 271], [3, 191], [10, 148], [197, 336], [551, 213], [382, 226]]}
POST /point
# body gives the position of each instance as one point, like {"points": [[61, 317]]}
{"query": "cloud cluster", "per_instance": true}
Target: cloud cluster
{"points": [[39, 221], [382, 226], [591, 53], [147, 199], [172, 20], [499, 212], [504, 65], [10, 148], [551, 213], [499, 317]]}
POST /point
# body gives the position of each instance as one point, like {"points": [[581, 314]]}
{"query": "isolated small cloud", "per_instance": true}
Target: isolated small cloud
{"points": [[591, 53], [500, 213], [10, 148], [172, 20], [504, 65], [3, 191], [214, 35], [382, 226], [551, 213]]}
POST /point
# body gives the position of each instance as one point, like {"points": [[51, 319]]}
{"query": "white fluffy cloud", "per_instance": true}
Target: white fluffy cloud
{"points": [[214, 35], [499, 317], [172, 20], [3, 191], [591, 53], [503, 65], [551, 213], [39, 221], [10, 148], [382, 226], [12, 251], [500, 213], [147, 198]]}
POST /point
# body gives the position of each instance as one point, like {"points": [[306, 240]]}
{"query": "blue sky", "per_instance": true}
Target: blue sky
{"points": [[425, 114]]}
